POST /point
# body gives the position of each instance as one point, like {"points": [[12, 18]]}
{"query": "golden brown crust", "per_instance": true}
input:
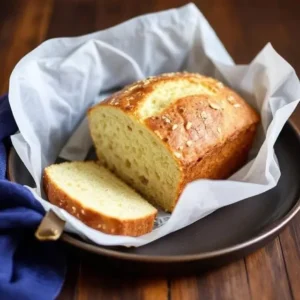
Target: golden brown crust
{"points": [[209, 134], [221, 161], [194, 125], [131, 96], [94, 219]]}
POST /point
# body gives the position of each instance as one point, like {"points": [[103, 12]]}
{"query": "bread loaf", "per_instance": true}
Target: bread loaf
{"points": [[163, 132], [98, 198]]}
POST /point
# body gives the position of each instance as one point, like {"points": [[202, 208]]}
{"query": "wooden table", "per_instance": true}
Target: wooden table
{"points": [[244, 27]]}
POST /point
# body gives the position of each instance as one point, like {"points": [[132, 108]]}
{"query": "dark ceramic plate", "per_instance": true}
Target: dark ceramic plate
{"points": [[225, 235]]}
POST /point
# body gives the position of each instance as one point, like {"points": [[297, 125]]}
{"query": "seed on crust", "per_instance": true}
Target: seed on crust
{"points": [[177, 154], [220, 85], [214, 106], [230, 99], [158, 134], [188, 125], [204, 115], [167, 120]]}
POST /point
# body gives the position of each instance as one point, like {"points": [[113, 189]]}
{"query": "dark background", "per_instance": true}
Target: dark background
{"points": [[244, 27]]}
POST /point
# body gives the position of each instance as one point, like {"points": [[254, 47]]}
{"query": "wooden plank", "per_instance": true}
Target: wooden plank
{"points": [[72, 18], [225, 20], [8, 16], [96, 283], [245, 29], [229, 282], [113, 12], [68, 291], [290, 243], [153, 289], [289, 19], [267, 274], [30, 20], [8, 22], [184, 288]]}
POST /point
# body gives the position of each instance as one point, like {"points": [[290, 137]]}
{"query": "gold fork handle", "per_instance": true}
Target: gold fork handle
{"points": [[51, 227]]}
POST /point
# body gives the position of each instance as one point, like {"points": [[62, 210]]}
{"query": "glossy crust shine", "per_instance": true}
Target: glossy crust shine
{"points": [[93, 218], [209, 134]]}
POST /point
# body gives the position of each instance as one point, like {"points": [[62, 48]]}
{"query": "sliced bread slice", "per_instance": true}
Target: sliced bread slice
{"points": [[98, 198]]}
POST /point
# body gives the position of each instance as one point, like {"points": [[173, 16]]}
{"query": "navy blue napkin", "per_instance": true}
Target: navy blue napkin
{"points": [[29, 269]]}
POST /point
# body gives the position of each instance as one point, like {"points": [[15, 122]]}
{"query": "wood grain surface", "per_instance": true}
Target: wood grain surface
{"points": [[244, 27]]}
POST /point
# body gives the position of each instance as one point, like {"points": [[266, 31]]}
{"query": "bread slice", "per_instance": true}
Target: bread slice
{"points": [[98, 198], [163, 132]]}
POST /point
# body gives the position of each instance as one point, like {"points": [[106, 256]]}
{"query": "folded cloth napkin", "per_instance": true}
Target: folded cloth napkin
{"points": [[29, 269]]}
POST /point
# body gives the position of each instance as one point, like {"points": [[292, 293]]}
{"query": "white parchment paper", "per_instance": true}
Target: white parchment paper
{"points": [[52, 87]]}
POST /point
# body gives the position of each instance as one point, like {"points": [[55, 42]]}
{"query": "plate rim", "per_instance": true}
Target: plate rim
{"points": [[272, 231]]}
